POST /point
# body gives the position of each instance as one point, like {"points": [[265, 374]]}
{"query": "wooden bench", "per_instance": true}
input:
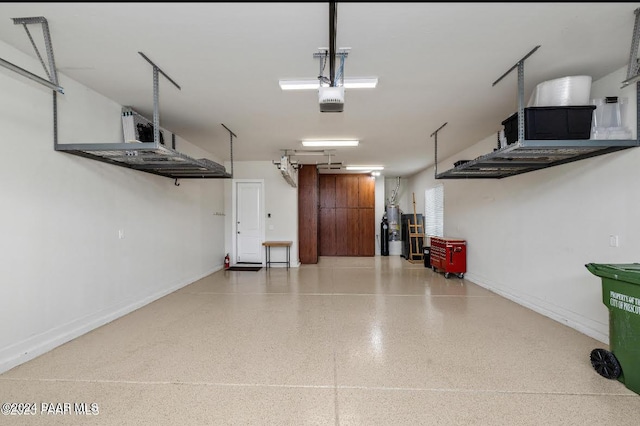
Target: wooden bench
{"points": [[267, 249]]}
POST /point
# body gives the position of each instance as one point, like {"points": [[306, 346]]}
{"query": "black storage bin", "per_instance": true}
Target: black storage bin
{"points": [[551, 123], [426, 254]]}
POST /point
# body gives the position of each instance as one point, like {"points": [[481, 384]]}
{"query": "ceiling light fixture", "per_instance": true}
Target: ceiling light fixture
{"points": [[365, 168], [309, 84], [331, 143], [360, 83], [311, 152], [314, 83]]}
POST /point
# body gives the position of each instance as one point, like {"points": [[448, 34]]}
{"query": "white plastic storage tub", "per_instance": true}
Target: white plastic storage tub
{"points": [[565, 91]]}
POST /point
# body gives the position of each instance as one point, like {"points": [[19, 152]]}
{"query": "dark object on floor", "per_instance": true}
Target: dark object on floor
{"points": [[244, 268], [426, 256]]}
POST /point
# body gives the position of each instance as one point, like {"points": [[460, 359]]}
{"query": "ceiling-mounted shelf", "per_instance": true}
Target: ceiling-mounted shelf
{"points": [[146, 152], [140, 152], [144, 148], [529, 155], [525, 155], [147, 157]]}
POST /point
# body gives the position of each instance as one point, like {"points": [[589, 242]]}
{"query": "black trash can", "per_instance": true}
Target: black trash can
{"points": [[426, 254]]}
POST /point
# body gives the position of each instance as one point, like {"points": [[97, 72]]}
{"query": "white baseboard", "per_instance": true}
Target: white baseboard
{"points": [[35, 346], [547, 311]]}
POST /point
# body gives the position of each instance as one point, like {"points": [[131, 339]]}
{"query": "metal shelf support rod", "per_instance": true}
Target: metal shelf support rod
{"points": [[521, 100], [156, 93], [520, 66], [435, 173], [516, 65], [51, 73], [31, 76], [231, 135], [632, 68]]}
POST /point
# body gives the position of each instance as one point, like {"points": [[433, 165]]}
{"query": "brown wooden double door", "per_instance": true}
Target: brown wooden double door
{"points": [[347, 215]]}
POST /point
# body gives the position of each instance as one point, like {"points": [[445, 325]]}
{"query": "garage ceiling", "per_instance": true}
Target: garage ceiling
{"points": [[435, 62]]}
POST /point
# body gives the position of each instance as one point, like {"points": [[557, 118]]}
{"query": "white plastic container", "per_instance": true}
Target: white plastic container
{"points": [[565, 91], [609, 119]]}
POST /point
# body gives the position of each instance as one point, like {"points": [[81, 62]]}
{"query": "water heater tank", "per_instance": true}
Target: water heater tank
{"points": [[393, 217]]}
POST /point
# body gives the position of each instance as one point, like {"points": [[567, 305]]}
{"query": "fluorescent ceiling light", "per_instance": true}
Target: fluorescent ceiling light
{"points": [[314, 84], [360, 83], [367, 168], [299, 84], [331, 143], [310, 152]]}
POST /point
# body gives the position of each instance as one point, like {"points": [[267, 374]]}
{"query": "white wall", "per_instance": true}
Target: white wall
{"points": [[281, 201], [64, 270], [529, 236]]}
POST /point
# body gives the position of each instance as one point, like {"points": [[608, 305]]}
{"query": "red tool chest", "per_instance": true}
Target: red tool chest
{"points": [[449, 255]]}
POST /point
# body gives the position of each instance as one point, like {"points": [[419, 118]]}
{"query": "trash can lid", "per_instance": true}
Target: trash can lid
{"points": [[629, 272]]}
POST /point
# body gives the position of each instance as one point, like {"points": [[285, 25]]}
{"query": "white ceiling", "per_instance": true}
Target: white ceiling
{"points": [[436, 63]]}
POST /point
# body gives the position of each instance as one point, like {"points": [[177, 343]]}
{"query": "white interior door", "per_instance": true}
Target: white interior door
{"points": [[248, 222]]}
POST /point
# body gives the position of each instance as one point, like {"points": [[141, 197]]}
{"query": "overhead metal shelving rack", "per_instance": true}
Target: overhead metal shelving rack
{"points": [[147, 157], [529, 155], [150, 157]]}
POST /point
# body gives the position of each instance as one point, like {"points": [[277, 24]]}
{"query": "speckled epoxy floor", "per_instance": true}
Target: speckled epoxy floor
{"points": [[349, 341]]}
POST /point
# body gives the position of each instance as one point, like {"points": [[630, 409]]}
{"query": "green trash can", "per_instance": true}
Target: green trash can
{"points": [[621, 294]]}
